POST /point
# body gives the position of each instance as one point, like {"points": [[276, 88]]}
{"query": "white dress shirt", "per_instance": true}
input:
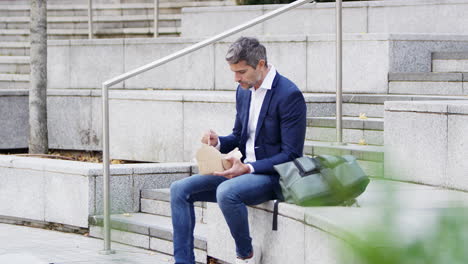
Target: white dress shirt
{"points": [[256, 102]]}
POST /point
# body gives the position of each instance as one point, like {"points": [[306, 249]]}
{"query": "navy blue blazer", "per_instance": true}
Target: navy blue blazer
{"points": [[280, 130]]}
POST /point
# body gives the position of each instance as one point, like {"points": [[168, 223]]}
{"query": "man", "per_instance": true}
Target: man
{"points": [[269, 129]]}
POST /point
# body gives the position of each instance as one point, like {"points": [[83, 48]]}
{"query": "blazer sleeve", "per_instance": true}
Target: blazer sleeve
{"points": [[293, 122]]}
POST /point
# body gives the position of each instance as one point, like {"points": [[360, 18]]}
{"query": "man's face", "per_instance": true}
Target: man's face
{"points": [[246, 75]]}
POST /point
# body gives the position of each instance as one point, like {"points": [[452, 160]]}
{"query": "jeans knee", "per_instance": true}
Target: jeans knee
{"points": [[225, 194], [177, 190]]}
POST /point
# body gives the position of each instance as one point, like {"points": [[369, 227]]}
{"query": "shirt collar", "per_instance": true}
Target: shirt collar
{"points": [[268, 81]]}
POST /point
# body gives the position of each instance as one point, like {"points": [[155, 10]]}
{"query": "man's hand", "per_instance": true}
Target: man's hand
{"points": [[210, 137], [238, 168]]}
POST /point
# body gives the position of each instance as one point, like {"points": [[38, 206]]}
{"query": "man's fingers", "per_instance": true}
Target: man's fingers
{"points": [[226, 173]]}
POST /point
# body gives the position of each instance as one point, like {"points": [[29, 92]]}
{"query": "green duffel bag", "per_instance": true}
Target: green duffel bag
{"points": [[323, 180], [320, 181]]}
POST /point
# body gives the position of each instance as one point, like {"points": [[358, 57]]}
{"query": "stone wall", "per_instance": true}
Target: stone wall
{"points": [[68, 192], [387, 16], [426, 142]]}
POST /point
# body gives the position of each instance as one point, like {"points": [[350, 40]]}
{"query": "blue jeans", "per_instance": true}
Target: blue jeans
{"points": [[232, 196]]}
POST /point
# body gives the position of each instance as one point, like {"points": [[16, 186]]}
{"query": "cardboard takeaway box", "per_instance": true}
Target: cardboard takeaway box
{"points": [[209, 159]]}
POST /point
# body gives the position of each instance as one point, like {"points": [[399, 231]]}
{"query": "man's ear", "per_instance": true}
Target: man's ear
{"points": [[261, 64]]}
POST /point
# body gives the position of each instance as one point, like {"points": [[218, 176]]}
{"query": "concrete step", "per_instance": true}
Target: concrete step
{"points": [[75, 22], [14, 48], [372, 104], [169, 7], [355, 130], [450, 61], [14, 81], [157, 202], [429, 83], [14, 64], [369, 157], [149, 232], [23, 34]]}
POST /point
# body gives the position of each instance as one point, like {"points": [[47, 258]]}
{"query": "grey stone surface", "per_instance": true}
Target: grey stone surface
{"points": [[121, 195], [14, 130], [67, 199], [417, 17], [19, 201], [69, 122], [156, 194], [347, 122], [190, 75], [155, 207], [367, 76], [371, 110], [450, 65], [429, 88], [321, 109], [59, 65], [127, 238], [416, 147], [58, 247], [321, 247], [150, 135], [370, 153], [123, 222], [457, 167], [151, 181], [447, 106], [349, 135], [225, 18], [424, 76], [158, 168], [164, 208], [102, 58], [414, 55], [450, 55], [362, 17]]}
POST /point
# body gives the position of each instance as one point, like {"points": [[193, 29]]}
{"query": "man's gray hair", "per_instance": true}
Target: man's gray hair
{"points": [[246, 49]]}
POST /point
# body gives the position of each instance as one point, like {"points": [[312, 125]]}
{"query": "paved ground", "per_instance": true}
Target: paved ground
{"points": [[27, 245]]}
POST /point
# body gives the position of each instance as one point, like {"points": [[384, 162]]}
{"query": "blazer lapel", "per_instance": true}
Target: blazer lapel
{"points": [[266, 105], [245, 122], [263, 111]]}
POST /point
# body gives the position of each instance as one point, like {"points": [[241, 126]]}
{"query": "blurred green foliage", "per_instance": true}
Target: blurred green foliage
{"points": [[445, 243]]}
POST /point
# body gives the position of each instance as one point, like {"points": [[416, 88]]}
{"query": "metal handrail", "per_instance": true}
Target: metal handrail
{"points": [[171, 57]]}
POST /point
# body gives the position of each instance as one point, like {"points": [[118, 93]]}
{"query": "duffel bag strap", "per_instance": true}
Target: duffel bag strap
{"points": [[275, 215]]}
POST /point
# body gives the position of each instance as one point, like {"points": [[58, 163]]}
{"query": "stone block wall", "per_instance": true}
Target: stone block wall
{"points": [[426, 142], [68, 192]]}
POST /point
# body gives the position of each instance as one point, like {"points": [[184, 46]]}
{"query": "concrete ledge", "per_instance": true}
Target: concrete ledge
{"points": [[67, 192], [426, 142], [425, 76], [312, 234], [450, 55]]}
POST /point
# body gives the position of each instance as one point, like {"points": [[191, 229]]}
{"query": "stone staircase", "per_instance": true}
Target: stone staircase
{"points": [[152, 227], [449, 76], [363, 121], [131, 19]]}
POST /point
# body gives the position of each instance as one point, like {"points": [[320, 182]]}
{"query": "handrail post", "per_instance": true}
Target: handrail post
{"points": [[106, 171], [90, 19], [156, 18], [339, 73]]}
